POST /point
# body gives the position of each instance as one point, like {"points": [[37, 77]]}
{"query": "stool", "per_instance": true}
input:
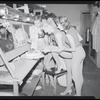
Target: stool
{"points": [[54, 75]]}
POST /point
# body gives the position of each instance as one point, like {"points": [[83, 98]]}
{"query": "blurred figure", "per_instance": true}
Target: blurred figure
{"points": [[33, 32], [78, 55]]}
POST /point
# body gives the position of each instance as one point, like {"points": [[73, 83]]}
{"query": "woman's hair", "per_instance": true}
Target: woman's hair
{"points": [[63, 19], [17, 26], [1, 27], [64, 22]]}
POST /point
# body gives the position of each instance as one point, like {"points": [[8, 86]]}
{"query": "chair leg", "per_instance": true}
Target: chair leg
{"points": [[43, 80], [55, 83]]}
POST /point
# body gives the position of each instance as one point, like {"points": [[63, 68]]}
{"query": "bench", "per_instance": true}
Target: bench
{"points": [[17, 69]]}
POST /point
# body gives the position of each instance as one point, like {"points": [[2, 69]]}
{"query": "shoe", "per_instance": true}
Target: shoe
{"points": [[66, 92], [38, 87]]}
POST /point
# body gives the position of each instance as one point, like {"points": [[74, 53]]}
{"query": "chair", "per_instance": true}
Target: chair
{"points": [[54, 75]]}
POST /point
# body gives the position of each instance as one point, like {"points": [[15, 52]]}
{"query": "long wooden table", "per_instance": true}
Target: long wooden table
{"points": [[17, 70]]}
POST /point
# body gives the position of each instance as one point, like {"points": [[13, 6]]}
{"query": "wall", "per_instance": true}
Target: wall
{"points": [[72, 11]]}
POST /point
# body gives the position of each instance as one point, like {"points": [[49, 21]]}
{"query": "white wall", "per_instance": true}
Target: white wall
{"points": [[72, 11]]}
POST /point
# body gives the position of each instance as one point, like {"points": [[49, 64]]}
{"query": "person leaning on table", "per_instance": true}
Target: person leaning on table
{"points": [[78, 55]]}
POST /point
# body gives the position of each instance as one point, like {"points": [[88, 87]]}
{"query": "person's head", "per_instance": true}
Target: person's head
{"points": [[64, 22], [57, 21], [47, 26], [44, 21], [63, 19], [37, 21], [3, 32]]}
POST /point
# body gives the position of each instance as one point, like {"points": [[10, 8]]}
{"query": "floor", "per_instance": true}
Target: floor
{"points": [[91, 86]]}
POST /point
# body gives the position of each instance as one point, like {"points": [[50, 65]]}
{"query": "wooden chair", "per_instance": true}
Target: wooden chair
{"points": [[54, 76]]}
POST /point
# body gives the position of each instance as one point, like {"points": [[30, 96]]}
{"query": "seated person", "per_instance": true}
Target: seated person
{"points": [[6, 42]]}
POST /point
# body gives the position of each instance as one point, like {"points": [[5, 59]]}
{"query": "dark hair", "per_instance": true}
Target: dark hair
{"points": [[57, 18], [44, 17], [7, 32], [17, 26], [1, 27], [52, 15]]}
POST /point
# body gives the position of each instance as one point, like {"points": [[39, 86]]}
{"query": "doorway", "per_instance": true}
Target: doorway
{"points": [[86, 24]]}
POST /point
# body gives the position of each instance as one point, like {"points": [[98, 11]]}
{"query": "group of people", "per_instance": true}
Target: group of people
{"points": [[56, 38]]}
